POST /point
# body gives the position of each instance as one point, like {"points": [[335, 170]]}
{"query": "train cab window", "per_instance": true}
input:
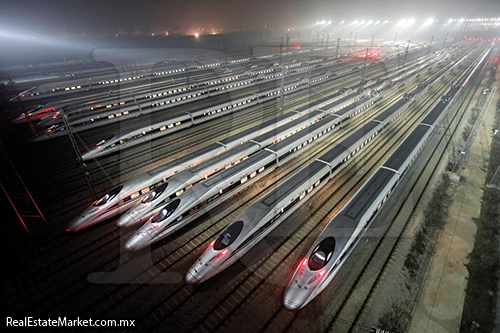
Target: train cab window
{"points": [[322, 254], [167, 211], [155, 194], [228, 236], [108, 196]]}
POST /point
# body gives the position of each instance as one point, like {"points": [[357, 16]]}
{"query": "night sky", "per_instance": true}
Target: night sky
{"points": [[99, 16]]}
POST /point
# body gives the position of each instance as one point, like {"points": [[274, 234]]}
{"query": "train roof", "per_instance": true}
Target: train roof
{"points": [[290, 185], [183, 159], [220, 157], [340, 148], [252, 129], [322, 100], [363, 199], [305, 132], [396, 160], [434, 114]]}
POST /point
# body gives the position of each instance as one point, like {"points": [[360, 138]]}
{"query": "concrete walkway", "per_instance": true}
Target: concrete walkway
{"points": [[441, 301]]}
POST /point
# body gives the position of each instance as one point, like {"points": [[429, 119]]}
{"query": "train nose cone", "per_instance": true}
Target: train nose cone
{"points": [[290, 305], [136, 242], [191, 279], [126, 221], [76, 224]]}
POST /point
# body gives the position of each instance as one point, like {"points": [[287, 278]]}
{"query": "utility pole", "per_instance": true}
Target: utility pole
{"points": [[327, 40], [337, 52], [444, 41], [406, 53], [366, 59], [282, 90], [395, 37], [364, 65], [322, 38], [78, 155], [355, 36], [350, 39], [430, 44], [287, 40]]}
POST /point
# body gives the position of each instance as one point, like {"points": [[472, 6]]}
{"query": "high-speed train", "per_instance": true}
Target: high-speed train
{"points": [[142, 97], [136, 136], [125, 196], [186, 179], [128, 194], [133, 137], [92, 120], [35, 114], [248, 228], [193, 205], [344, 231], [189, 177], [276, 154], [181, 210]]}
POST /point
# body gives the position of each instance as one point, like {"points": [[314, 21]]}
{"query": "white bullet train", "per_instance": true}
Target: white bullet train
{"points": [[186, 179], [136, 136], [178, 212], [263, 216], [132, 191], [336, 242]]}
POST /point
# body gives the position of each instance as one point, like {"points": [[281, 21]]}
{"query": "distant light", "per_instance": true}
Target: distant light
{"points": [[449, 21], [355, 22], [329, 22], [317, 22], [342, 22], [378, 21], [369, 22], [386, 21], [410, 22], [196, 35], [362, 22], [428, 22], [213, 33]]}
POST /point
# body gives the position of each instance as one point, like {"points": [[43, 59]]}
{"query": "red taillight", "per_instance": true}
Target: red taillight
{"points": [[98, 147], [222, 253], [322, 272]]}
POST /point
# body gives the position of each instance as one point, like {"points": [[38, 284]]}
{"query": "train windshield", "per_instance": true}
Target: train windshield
{"points": [[322, 254], [153, 195], [108, 196], [167, 211], [228, 236]]}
